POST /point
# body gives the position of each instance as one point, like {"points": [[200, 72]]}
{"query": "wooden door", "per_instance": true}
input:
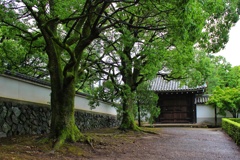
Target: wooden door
{"points": [[176, 108]]}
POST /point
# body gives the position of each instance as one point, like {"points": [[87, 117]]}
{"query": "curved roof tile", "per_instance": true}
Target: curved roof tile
{"points": [[159, 84], [201, 99]]}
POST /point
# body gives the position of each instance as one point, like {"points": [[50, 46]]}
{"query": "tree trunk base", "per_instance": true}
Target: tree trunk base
{"points": [[129, 125], [57, 142], [128, 122], [71, 135]]}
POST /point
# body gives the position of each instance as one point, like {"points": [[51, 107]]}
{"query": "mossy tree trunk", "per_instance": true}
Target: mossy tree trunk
{"points": [[63, 125], [129, 73], [128, 92], [63, 81], [128, 121], [66, 63]]}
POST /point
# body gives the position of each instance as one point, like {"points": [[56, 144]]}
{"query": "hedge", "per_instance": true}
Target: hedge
{"points": [[232, 127]]}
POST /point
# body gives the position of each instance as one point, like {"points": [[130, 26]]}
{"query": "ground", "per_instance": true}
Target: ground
{"points": [[109, 144]]}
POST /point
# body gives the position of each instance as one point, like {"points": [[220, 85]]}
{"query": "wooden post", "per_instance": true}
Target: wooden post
{"points": [[215, 116], [139, 115]]}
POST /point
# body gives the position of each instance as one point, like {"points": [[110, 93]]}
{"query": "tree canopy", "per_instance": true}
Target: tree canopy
{"points": [[226, 99], [226, 95], [169, 36], [219, 69], [62, 31], [129, 41]]}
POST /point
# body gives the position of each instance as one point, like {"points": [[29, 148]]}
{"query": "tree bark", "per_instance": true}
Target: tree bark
{"points": [[128, 122], [139, 114], [215, 111], [63, 125]]}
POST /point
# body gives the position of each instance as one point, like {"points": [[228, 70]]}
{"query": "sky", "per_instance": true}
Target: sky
{"points": [[232, 49]]}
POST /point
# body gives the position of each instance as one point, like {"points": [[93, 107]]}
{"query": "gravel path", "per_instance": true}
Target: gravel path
{"points": [[194, 143], [175, 144]]}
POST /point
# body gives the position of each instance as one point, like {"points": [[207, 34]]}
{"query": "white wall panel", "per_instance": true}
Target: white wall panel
{"points": [[19, 89]]}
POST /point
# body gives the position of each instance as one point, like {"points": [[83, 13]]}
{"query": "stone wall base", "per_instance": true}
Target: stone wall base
{"points": [[21, 118]]}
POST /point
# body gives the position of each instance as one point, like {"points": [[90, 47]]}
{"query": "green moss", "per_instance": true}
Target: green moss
{"points": [[71, 134], [31, 147], [128, 122], [71, 149]]}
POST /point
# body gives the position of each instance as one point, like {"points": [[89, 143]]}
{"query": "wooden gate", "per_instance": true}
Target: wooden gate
{"points": [[176, 108]]}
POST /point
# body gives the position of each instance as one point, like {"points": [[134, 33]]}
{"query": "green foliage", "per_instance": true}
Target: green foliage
{"points": [[104, 92], [199, 69], [233, 77], [223, 14], [219, 70], [226, 99], [62, 31], [163, 37], [224, 85], [20, 55], [232, 127], [138, 38], [235, 119], [147, 101]]}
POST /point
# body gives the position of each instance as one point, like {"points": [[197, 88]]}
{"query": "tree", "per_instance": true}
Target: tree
{"points": [[17, 57], [146, 102], [163, 37], [198, 70], [226, 99], [65, 29], [233, 77], [219, 70], [226, 94]]}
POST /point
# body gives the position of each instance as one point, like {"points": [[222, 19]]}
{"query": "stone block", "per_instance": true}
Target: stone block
{"points": [[2, 134], [16, 111], [6, 127], [14, 119], [3, 113]]}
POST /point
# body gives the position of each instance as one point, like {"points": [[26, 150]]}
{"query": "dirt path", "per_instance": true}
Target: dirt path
{"points": [[109, 144], [175, 143]]}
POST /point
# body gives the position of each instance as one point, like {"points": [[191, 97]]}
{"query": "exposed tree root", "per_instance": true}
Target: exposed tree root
{"points": [[56, 144], [89, 141], [146, 131], [129, 126], [136, 129], [43, 139], [124, 129], [71, 135]]}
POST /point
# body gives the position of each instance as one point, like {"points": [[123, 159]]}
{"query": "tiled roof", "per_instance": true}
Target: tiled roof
{"points": [[161, 85], [201, 99]]}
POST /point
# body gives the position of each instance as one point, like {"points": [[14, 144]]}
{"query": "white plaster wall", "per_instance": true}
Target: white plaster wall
{"points": [[81, 103], [23, 90], [206, 113], [204, 110], [19, 89]]}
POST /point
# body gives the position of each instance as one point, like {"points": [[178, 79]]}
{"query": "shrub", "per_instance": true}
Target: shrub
{"points": [[235, 120], [232, 127]]}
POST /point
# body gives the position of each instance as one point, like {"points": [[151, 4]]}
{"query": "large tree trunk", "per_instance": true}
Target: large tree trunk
{"points": [[63, 125], [128, 122]]}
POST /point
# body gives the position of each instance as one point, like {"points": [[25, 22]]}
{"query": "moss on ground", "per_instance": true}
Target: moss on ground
{"points": [[31, 148]]}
